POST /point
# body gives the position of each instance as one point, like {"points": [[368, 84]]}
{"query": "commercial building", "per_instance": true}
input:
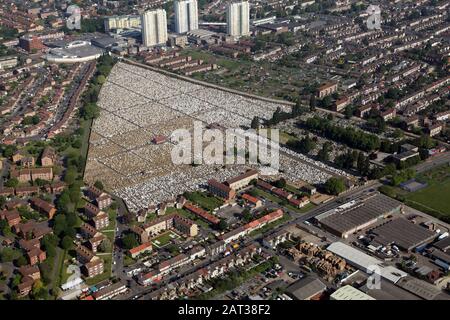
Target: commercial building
{"points": [[308, 288], [354, 216], [102, 199], [186, 15], [156, 226], [403, 233], [154, 27], [74, 52], [251, 226], [349, 293], [238, 18], [366, 263]]}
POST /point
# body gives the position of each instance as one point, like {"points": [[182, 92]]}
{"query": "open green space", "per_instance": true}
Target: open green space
{"points": [[203, 200], [164, 239], [209, 57], [433, 199], [437, 194]]}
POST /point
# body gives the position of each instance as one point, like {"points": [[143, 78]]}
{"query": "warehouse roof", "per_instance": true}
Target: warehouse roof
{"points": [[443, 244], [306, 288], [420, 288], [388, 291], [405, 234], [365, 262], [349, 293], [359, 214]]}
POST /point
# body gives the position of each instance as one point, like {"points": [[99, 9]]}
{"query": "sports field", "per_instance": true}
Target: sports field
{"points": [[437, 195]]}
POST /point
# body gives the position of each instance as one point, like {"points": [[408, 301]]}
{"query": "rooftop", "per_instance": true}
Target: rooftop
{"points": [[405, 234]]}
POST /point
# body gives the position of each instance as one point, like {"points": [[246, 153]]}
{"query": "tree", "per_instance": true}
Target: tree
{"points": [[334, 186], [101, 79], [363, 164], [280, 183], [324, 153], [39, 292], [90, 111], [326, 102], [105, 246], [8, 150], [21, 261], [71, 219], [312, 103], [246, 215], [9, 255], [66, 243], [223, 225], [99, 185], [12, 183], [49, 243], [255, 123], [70, 175], [129, 241], [297, 109], [127, 218], [40, 182], [60, 224]]}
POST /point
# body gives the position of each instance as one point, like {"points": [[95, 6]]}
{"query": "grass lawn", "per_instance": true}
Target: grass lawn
{"points": [[212, 58], [204, 201], [110, 235], [164, 239], [293, 190], [128, 261], [86, 125], [436, 196], [112, 214], [60, 269]]}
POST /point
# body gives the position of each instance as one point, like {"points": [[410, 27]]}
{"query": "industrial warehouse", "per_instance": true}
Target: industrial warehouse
{"points": [[404, 234], [354, 216]]}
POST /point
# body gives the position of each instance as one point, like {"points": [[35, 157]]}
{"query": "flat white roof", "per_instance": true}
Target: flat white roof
{"points": [[365, 262], [349, 293], [354, 256]]}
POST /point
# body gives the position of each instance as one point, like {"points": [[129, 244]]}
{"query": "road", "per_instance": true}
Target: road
{"points": [[434, 161]]}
